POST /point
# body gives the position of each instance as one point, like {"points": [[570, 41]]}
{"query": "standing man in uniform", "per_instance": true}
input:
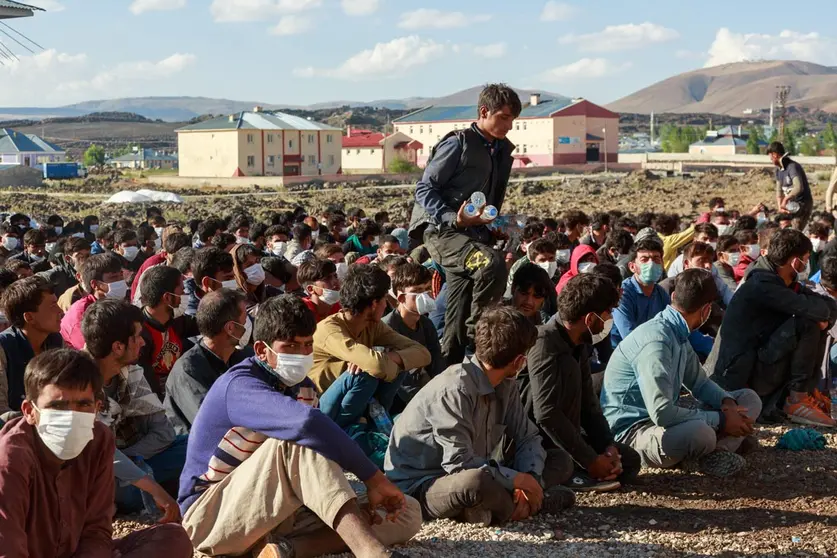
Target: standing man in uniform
{"points": [[478, 158], [791, 185]]}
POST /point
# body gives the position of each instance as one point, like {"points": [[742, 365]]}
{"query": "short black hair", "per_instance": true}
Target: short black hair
{"points": [[315, 269], [7, 277], [626, 223], [776, 147], [301, 231], [716, 201], [586, 293], [367, 228], [410, 275], [532, 231], [96, 266], [208, 262], [55, 220], [559, 239], [335, 220], [66, 368], [106, 322], [599, 220], [34, 237], [280, 268], [698, 249], [550, 223], [531, 276], [182, 259], [363, 285], [746, 222], [666, 223], [619, 239], [747, 236], [495, 96], [818, 229], [786, 244], [726, 242], [222, 240], [124, 235], [103, 231], [275, 230], [542, 246], [152, 211], [73, 245], [283, 318], [25, 295], [216, 309], [208, 228], [610, 271], [693, 289], [574, 218], [828, 266], [156, 282], [145, 233], [502, 334], [176, 241], [708, 229], [238, 221], [389, 239], [649, 244], [257, 231]]}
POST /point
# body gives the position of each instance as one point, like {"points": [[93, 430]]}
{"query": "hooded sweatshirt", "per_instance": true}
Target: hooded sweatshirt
{"points": [[579, 252]]}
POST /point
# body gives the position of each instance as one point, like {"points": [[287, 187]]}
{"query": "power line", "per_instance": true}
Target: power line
{"points": [[21, 34], [15, 40]]}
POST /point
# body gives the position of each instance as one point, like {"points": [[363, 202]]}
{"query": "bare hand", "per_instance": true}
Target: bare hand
{"points": [[522, 510], [532, 489], [396, 358], [353, 369], [737, 424], [602, 468], [383, 494], [823, 325], [463, 221], [168, 505]]}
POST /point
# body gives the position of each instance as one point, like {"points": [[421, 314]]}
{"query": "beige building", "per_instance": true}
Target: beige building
{"points": [[365, 151], [257, 143], [547, 132]]}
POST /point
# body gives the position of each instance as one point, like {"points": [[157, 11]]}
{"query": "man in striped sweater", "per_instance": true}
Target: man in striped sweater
{"points": [[264, 468]]}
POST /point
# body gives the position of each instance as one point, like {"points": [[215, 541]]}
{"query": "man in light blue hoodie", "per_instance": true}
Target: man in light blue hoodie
{"points": [[643, 381]]}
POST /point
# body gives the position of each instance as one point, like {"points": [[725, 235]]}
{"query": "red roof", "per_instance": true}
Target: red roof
{"points": [[363, 138]]}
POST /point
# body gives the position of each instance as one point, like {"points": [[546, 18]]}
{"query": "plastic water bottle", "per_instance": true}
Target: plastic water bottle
{"points": [[471, 210], [380, 417], [478, 199], [792, 206], [489, 213]]}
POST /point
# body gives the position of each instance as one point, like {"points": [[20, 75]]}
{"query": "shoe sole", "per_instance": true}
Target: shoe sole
{"points": [[599, 488], [808, 422], [270, 551]]}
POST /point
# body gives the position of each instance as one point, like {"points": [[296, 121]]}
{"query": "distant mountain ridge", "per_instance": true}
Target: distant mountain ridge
{"points": [[181, 109], [733, 88]]}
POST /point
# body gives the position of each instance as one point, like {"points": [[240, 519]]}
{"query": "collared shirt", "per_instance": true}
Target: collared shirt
{"points": [[455, 423], [52, 511], [635, 308]]}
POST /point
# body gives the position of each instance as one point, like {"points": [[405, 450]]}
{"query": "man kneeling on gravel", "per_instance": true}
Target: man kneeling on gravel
{"points": [[464, 446], [642, 386], [264, 470]]}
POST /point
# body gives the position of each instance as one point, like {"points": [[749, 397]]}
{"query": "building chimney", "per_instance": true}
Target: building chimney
{"points": [[349, 131], [534, 99], [257, 108], [232, 118]]}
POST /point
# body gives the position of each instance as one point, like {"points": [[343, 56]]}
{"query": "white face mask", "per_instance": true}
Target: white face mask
{"points": [[117, 290], [49, 247], [753, 251], [36, 258], [159, 231], [279, 248], [184, 304], [242, 240], [714, 245], [315, 235], [58, 230], [549, 267], [563, 256], [77, 235], [802, 276], [733, 258], [65, 433], [603, 334], [130, 253], [723, 229], [248, 332], [255, 274], [94, 228], [586, 267], [158, 245], [292, 369], [330, 297], [231, 284], [817, 244], [342, 270], [10, 243], [425, 303]]}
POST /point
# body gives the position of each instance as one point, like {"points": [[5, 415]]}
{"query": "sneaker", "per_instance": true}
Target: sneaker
{"points": [[807, 411], [823, 401], [748, 445], [396, 554], [721, 464], [274, 546], [582, 482], [477, 515], [557, 499]]}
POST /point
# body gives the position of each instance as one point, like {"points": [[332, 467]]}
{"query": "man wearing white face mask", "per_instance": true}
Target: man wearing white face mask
{"points": [[293, 452], [412, 286], [125, 244], [557, 388], [34, 250], [166, 327], [321, 283], [277, 238], [61, 450]]}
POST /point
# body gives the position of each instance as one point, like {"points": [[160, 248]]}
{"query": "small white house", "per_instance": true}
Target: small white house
{"points": [[17, 148]]}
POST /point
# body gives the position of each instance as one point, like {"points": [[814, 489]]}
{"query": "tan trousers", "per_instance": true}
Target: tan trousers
{"points": [[285, 486]]}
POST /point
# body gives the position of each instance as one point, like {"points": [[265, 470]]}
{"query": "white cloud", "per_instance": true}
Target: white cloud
{"points": [[48, 5], [558, 11], [425, 18], [142, 6], [384, 60], [360, 7], [731, 47], [255, 10], [621, 37], [586, 68], [292, 25], [495, 50]]}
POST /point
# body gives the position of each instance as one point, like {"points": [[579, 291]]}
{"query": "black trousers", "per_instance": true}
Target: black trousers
{"points": [[476, 277]]}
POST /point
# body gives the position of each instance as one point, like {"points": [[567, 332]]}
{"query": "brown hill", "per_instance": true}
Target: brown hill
{"points": [[733, 88]]}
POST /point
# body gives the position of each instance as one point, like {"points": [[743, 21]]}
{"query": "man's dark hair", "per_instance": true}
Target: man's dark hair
{"points": [[7, 277], [698, 250], [609, 271], [277, 230], [389, 239], [8, 228], [301, 232], [325, 250], [153, 211], [574, 218], [96, 266], [776, 147], [726, 242], [708, 229], [208, 262], [495, 96], [182, 259], [15, 265], [620, 239], [222, 240], [103, 231], [787, 244], [336, 220], [278, 267], [257, 231], [145, 233], [694, 289], [244, 251], [818, 230], [314, 270], [176, 241], [766, 233], [208, 228], [64, 368], [193, 225], [363, 285], [393, 261], [283, 318], [34, 237], [532, 231], [367, 228], [410, 275], [531, 276], [355, 213], [124, 235], [559, 239], [381, 217], [503, 333], [237, 222], [646, 245], [122, 224], [748, 236], [666, 223], [586, 293], [216, 309], [626, 223], [106, 322], [24, 295], [599, 220], [828, 267], [746, 222], [156, 282], [716, 201], [542, 246], [550, 223], [55, 221]]}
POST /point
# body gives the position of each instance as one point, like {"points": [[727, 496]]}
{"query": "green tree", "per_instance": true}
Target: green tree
{"points": [[829, 138], [402, 166], [797, 127], [810, 146], [95, 155], [790, 143], [753, 141]]}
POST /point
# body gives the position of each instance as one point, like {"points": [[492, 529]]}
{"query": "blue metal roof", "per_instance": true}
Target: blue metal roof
{"points": [[723, 141], [469, 112], [16, 142], [258, 121]]}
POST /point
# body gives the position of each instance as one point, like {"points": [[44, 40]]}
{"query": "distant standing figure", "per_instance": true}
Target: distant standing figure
{"points": [[791, 185]]}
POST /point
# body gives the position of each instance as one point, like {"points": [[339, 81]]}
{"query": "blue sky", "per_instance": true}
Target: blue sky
{"points": [[307, 51]]}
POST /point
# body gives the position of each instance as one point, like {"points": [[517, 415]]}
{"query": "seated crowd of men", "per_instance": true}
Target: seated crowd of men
{"points": [[227, 377]]}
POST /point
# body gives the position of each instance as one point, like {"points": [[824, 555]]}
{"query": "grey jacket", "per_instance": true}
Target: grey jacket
{"points": [[455, 423]]}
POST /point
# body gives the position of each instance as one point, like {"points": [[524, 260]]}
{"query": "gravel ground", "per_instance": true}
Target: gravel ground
{"points": [[783, 504]]}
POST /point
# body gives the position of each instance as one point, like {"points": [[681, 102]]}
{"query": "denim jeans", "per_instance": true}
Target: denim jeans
{"points": [[346, 399], [165, 468]]}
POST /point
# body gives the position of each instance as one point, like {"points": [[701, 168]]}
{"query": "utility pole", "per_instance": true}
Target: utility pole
{"points": [[605, 147], [782, 92], [652, 127]]}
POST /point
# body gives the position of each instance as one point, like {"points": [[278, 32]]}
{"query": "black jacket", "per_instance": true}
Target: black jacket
{"points": [[557, 393], [762, 303]]}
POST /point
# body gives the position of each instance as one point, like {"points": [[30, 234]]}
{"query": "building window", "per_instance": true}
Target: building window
{"points": [[311, 158], [524, 125], [348, 152], [371, 151], [271, 160], [328, 138], [421, 129], [310, 138], [270, 138], [290, 144], [517, 126], [358, 152], [411, 129], [524, 148], [251, 160], [331, 160], [250, 138], [429, 129]]}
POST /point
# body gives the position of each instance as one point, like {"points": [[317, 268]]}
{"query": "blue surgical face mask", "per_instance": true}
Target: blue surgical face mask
{"points": [[650, 273]]}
